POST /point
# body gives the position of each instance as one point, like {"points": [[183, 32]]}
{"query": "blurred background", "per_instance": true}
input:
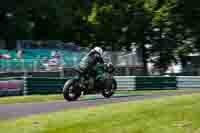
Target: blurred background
{"points": [[158, 37]]}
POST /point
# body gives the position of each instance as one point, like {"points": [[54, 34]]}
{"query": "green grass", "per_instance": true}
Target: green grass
{"points": [[46, 98], [27, 99], [153, 91], [178, 114]]}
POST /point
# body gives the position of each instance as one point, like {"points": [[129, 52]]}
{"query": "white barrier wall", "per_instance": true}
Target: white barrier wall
{"points": [[125, 82], [188, 82]]}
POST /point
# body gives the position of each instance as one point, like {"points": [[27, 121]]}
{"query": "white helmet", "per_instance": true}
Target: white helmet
{"points": [[99, 50]]}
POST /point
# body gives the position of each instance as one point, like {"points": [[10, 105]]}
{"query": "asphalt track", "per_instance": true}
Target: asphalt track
{"points": [[9, 111]]}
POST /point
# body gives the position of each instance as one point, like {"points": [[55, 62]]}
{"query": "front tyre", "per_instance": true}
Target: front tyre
{"points": [[110, 88], [71, 90]]}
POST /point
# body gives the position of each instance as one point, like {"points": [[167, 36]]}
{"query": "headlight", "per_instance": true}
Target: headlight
{"points": [[110, 68]]}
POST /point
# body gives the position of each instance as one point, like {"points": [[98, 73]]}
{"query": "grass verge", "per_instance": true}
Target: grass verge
{"points": [[46, 98], [178, 114], [28, 99]]}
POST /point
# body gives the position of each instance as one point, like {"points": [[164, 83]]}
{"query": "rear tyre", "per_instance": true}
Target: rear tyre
{"points": [[110, 88], [71, 90]]}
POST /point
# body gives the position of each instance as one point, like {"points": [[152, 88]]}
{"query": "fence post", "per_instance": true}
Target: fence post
{"points": [[25, 91], [62, 72]]}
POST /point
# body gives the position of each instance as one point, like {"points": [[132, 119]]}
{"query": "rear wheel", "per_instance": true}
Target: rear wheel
{"points": [[71, 90], [111, 86]]}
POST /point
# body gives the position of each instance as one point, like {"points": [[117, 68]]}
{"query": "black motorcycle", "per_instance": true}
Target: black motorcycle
{"points": [[99, 81]]}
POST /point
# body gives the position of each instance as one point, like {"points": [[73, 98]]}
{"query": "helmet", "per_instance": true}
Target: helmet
{"points": [[99, 50]]}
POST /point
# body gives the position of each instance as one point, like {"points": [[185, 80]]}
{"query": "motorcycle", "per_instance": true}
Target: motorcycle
{"points": [[99, 81]]}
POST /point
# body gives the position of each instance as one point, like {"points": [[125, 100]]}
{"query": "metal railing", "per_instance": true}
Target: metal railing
{"points": [[126, 63], [36, 65], [33, 65]]}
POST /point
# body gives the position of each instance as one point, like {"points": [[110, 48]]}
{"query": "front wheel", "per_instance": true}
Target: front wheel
{"points": [[71, 90], [110, 88]]}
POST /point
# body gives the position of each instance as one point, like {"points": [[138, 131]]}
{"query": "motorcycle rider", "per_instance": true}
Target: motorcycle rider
{"points": [[88, 63], [86, 81]]}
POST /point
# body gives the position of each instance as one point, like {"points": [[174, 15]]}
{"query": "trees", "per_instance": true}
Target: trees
{"points": [[120, 24], [185, 18], [45, 19], [117, 24]]}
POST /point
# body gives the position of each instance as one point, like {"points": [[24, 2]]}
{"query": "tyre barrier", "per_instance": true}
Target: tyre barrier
{"points": [[11, 87]]}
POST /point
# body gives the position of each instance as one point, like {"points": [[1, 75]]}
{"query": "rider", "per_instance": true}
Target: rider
{"points": [[89, 62]]}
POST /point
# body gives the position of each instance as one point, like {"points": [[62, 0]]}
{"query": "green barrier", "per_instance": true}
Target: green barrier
{"points": [[54, 85], [155, 83], [43, 85]]}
